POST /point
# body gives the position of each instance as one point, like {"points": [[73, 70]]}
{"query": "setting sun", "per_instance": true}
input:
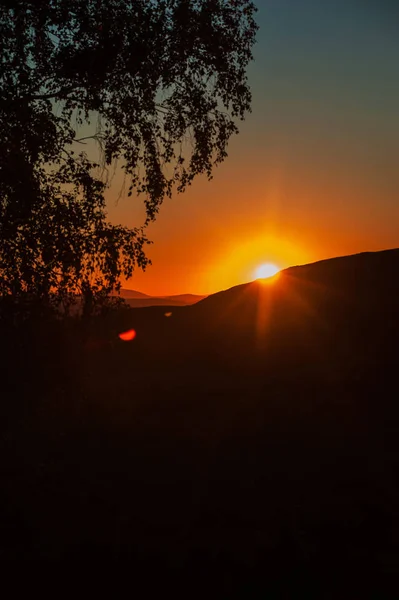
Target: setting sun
{"points": [[266, 270]]}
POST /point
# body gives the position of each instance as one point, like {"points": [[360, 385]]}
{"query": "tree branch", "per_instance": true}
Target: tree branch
{"points": [[60, 93], [96, 137], [162, 109]]}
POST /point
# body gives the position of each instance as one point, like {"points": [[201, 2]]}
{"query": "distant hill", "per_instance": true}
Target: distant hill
{"points": [[133, 295], [138, 300]]}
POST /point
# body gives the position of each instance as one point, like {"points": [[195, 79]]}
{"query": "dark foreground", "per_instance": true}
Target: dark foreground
{"points": [[249, 441]]}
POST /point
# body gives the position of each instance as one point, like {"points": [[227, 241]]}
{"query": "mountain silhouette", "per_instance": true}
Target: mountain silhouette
{"points": [[253, 433], [138, 299], [133, 294], [337, 312]]}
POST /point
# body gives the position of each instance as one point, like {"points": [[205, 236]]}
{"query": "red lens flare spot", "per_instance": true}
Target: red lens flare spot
{"points": [[127, 336], [169, 314]]}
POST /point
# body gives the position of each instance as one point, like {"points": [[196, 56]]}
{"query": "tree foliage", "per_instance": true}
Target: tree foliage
{"points": [[164, 83]]}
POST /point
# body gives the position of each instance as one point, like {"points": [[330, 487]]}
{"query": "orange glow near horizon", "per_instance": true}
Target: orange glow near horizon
{"points": [[258, 209], [240, 263], [232, 264], [207, 240], [204, 262]]}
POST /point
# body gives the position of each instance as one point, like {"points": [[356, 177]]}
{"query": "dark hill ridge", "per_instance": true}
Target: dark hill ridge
{"points": [[133, 294], [138, 299], [253, 435], [365, 269], [345, 306]]}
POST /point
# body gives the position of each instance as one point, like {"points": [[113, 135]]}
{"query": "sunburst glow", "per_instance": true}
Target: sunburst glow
{"points": [[266, 270]]}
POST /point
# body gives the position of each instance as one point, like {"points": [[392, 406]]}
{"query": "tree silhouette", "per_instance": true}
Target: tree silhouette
{"points": [[163, 81]]}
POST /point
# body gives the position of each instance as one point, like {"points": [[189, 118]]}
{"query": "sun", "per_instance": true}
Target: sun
{"points": [[266, 270]]}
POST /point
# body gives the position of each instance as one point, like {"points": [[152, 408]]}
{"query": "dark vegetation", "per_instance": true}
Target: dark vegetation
{"points": [[249, 440], [157, 87]]}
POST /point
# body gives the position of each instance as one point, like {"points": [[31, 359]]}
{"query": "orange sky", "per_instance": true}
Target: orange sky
{"points": [[313, 173], [216, 234]]}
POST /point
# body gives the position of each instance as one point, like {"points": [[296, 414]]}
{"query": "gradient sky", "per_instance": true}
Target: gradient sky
{"points": [[314, 172]]}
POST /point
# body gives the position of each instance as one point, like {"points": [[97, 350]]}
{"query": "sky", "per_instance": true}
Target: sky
{"points": [[313, 173]]}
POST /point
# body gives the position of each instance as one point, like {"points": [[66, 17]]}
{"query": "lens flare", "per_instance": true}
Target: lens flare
{"points": [[127, 336], [168, 314]]}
